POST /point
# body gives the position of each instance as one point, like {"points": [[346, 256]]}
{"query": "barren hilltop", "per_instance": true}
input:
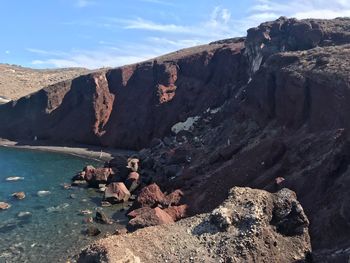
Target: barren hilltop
{"points": [[17, 81]]}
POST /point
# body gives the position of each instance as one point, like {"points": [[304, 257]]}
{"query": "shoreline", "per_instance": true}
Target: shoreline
{"points": [[84, 151]]}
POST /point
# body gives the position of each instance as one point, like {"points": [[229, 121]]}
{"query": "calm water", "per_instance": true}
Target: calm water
{"points": [[54, 230]]}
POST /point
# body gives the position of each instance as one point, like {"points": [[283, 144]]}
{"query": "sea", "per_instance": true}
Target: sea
{"points": [[47, 225]]}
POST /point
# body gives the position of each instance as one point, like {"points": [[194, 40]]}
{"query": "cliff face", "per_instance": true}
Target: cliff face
{"points": [[109, 107]]}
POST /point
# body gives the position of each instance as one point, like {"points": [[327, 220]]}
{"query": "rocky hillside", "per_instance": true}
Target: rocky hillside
{"points": [[16, 81], [244, 228], [268, 111]]}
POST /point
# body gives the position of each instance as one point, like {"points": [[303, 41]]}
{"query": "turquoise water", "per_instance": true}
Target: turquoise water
{"points": [[55, 229]]}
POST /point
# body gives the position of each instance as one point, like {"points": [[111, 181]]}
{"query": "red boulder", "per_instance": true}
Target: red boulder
{"points": [[116, 193]]}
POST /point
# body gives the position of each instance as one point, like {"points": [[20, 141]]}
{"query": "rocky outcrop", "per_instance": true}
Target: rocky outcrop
{"points": [[291, 35], [251, 225]]}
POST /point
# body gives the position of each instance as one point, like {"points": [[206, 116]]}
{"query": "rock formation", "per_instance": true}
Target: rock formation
{"points": [[251, 225]]}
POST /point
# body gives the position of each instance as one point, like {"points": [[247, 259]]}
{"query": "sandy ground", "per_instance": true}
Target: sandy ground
{"points": [[86, 151], [16, 81]]}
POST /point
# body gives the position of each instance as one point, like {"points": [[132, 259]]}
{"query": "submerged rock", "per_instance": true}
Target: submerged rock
{"points": [[43, 193], [14, 178], [93, 231], [24, 214], [102, 218], [19, 195], [4, 206]]}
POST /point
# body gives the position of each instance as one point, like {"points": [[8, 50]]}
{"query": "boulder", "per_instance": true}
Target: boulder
{"points": [[174, 198], [4, 206], [150, 196], [99, 176], [133, 164], [149, 217], [116, 193], [19, 195], [133, 181], [80, 175], [176, 212], [93, 231]]}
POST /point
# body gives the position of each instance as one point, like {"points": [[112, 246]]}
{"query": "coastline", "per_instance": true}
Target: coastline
{"points": [[85, 151]]}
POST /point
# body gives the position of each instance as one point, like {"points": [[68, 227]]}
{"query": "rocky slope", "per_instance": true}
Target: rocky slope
{"points": [[266, 112], [16, 81], [250, 226]]}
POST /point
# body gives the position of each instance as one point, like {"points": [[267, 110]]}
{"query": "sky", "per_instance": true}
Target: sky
{"points": [[109, 33]]}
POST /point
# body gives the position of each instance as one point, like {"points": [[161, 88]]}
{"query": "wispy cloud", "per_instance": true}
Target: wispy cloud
{"points": [[7, 52], [84, 3], [219, 25], [166, 37], [143, 24]]}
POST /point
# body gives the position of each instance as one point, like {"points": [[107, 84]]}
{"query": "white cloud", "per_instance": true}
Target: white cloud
{"points": [[172, 35], [301, 9], [84, 3], [143, 24]]}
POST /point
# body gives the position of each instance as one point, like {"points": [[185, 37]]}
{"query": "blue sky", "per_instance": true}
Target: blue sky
{"points": [[97, 33]]}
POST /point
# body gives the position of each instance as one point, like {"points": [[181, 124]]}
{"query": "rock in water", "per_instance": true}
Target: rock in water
{"points": [[24, 214], [116, 193], [19, 195], [43, 193], [4, 206], [93, 231], [102, 218], [14, 178]]}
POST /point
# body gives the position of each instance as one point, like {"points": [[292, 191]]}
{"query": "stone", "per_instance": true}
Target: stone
{"points": [[43, 193], [24, 214], [4, 206], [133, 181], [149, 217], [105, 204], [150, 196], [102, 218], [174, 198], [19, 195], [86, 212], [99, 176], [279, 180], [93, 231], [79, 183], [177, 212], [133, 164], [14, 178], [116, 193]]}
